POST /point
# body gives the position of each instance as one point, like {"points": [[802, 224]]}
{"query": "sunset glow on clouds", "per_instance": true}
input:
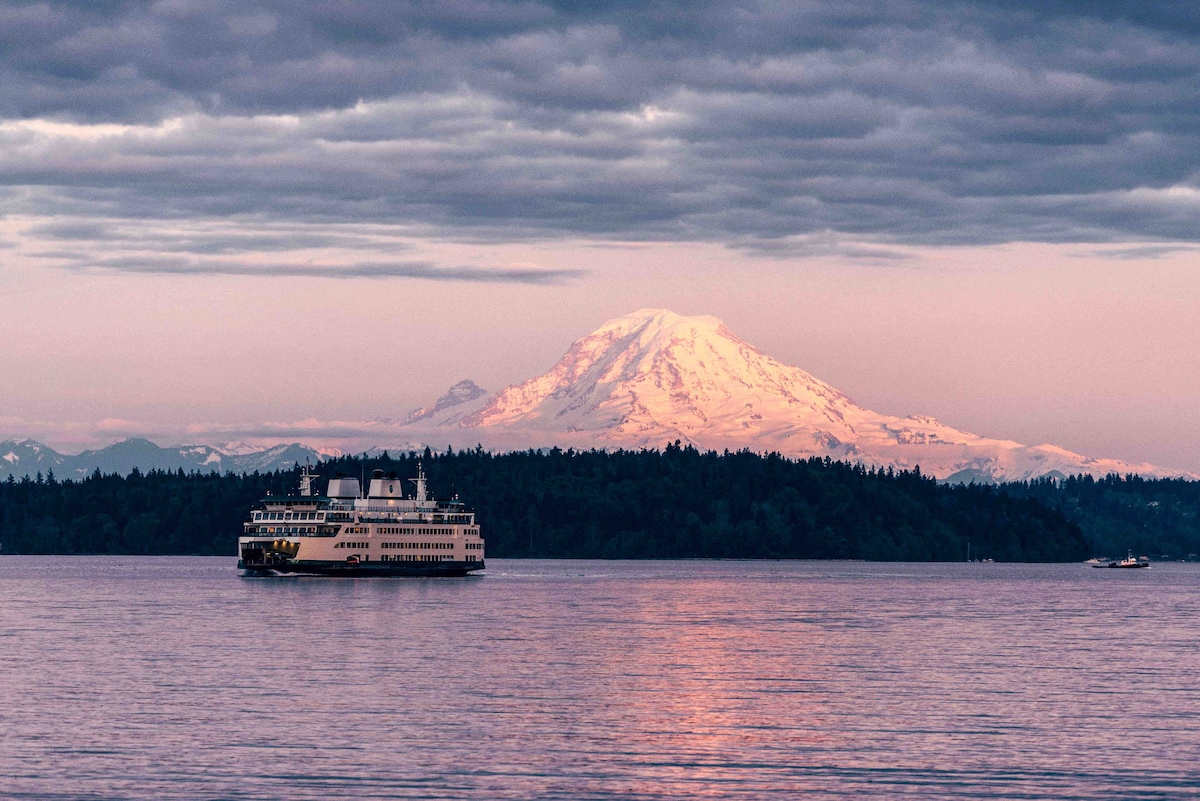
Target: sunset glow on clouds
{"points": [[988, 213]]}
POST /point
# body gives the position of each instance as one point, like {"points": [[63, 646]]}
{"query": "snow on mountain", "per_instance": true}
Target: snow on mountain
{"points": [[463, 398], [279, 457], [642, 380], [653, 376], [236, 448], [25, 458]]}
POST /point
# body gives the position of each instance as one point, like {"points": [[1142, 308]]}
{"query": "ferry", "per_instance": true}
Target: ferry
{"points": [[347, 533]]}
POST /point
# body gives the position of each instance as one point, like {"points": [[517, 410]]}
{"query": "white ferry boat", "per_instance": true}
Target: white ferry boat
{"points": [[345, 533]]}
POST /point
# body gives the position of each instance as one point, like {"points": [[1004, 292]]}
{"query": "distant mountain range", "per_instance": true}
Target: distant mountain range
{"points": [[21, 457], [641, 381]]}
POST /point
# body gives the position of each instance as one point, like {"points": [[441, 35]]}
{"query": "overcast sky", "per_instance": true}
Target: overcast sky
{"points": [[221, 214]]}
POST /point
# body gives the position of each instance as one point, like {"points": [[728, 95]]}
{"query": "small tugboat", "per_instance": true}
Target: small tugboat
{"points": [[1128, 561], [346, 533]]}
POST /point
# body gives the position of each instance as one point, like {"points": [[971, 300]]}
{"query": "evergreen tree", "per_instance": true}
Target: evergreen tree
{"points": [[678, 502]]}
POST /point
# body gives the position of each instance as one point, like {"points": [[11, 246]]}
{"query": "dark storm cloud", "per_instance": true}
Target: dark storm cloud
{"points": [[118, 236], [179, 265], [773, 127], [1140, 253]]}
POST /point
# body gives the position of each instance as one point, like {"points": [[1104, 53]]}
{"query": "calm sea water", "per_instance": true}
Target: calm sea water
{"points": [[165, 678]]}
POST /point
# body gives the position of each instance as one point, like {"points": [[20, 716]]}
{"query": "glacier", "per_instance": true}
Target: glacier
{"points": [[651, 377]]}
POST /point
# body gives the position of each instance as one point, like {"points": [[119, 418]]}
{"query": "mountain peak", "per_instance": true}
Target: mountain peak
{"points": [[464, 392], [653, 376], [654, 372], [651, 324], [658, 319]]}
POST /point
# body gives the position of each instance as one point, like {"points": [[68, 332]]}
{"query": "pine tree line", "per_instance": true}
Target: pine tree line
{"points": [[674, 503], [1156, 517]]}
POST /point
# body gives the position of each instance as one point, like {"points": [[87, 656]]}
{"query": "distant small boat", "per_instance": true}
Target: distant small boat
{"points": [[1128, 561], [1098, 560]]}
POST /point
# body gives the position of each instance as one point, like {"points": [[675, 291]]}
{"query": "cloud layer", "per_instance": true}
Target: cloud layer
{"points": [[765, 126]]}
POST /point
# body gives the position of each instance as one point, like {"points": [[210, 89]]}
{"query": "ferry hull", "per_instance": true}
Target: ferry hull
{"points": [[360, 570]]}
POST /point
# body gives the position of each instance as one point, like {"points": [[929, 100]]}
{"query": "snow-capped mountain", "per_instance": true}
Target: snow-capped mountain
{"points": [[26, 458], [642, 380], [463, 398], [651, 377]]}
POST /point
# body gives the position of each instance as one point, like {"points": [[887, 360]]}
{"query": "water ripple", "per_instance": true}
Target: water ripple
{"points": [[171, 678]]}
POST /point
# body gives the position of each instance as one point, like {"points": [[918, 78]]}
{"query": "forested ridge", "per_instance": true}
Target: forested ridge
{"points": [[677, 503], [1157, 517]]}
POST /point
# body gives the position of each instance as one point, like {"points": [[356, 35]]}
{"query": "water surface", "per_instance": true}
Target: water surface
{"points": [[165, 678]]}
